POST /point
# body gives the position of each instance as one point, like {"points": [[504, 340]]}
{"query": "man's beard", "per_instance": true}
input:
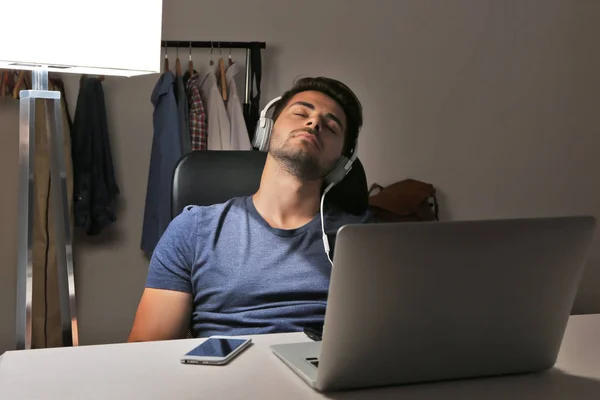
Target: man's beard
{"points": [[299, 162]]}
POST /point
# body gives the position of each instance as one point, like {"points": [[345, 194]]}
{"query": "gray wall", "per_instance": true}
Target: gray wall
{"points": [[491, 101]]}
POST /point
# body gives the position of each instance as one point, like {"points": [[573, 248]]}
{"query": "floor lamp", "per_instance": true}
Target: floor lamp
{"points": [[111, 37]]}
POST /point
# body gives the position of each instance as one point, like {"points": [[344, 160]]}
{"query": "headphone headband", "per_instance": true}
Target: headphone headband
{"points": [[263, 113]]}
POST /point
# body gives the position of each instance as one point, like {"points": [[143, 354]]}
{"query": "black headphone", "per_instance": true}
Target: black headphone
{"points": [[262, 138]]}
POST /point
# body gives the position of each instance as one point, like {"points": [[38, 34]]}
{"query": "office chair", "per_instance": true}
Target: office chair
{"points": [[211, 177], [205, 178]]}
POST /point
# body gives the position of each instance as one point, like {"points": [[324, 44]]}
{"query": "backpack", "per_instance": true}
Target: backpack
{"points": [[406, 200]]}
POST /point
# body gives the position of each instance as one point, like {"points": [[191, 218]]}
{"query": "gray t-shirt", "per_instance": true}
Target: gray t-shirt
{"points": [[246, 277]]}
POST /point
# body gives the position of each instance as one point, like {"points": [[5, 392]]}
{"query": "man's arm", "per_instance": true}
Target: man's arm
{"points": [[165, 309], [161, 315]]}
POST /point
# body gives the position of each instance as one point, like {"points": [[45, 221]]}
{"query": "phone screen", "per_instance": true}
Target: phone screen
{"points": [[216, 347]]}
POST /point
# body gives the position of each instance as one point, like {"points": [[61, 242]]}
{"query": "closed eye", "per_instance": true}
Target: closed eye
{"points": [[333, 128]]}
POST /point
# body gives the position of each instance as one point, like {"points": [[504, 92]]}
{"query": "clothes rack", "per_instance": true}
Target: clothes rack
{"points": [[211, 43], [223, 45]]}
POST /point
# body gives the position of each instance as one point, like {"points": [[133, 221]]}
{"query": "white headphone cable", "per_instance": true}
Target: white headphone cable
{"points": [[325, 240]]}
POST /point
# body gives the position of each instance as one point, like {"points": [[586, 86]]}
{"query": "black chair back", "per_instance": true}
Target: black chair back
{"points": [[205, 178]]}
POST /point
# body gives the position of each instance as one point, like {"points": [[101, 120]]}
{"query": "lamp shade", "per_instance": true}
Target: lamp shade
{"points": [[108, 37]]}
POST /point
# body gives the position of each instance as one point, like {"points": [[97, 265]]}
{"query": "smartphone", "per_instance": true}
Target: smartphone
{"points": [[216, 350]]}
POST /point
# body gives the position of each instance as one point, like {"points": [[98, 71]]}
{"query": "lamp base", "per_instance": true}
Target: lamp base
{"points": [[64, 249]]}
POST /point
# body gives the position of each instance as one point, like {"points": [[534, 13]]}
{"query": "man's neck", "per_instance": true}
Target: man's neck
{"points": [[283, 200]]}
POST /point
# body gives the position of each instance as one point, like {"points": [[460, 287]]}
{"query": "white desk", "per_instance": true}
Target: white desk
{"points": [[153, 371]]}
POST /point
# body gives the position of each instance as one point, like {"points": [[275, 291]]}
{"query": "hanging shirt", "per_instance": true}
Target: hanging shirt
{"points": [[238, 131], [183, 110], [197, 120], [219, 136], [166, 152]]}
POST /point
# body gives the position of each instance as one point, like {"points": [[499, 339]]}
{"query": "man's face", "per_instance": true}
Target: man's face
{"points": [[308, 136]]}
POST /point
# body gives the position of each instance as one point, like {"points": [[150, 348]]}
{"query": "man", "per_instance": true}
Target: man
{"points": [[257, 264]]}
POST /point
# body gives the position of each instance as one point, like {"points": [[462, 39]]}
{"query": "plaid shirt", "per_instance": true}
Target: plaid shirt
{"points": [[198, 125]]}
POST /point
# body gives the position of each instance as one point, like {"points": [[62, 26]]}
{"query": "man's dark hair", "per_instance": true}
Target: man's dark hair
{"points": [[338, 92]]}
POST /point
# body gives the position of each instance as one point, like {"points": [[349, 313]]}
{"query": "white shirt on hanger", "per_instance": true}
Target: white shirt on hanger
{"points": [[219, 129], [239, 138]]}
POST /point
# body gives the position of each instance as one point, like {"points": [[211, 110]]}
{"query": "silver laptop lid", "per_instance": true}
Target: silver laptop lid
{"points": [[414, 302]]}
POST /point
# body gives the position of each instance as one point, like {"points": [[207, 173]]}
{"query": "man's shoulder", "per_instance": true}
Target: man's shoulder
{"points": [[196, 213], [196, 222]]}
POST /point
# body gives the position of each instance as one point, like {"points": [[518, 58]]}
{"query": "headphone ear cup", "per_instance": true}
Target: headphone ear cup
{"points": [[262, 134], [341, 169]]}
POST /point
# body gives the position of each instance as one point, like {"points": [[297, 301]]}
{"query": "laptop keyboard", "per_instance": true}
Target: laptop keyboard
{"points": [[314, 361]]}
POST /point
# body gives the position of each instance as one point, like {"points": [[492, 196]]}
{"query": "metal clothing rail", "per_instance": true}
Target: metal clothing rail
{"points": [[212, 43], [222, 45]]}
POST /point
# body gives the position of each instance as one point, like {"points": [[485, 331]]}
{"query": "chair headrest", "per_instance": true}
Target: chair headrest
{"points": [[351, 195], [212, 177]]}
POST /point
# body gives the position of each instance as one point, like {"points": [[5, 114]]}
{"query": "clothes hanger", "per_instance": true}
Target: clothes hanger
{"points": [[7, 83], [211, 62], [27, 81], [223, 77], [17, 87], [10, 83], [190, 62], [166, 64], [2, 83], [177, 62], [230, 60]]}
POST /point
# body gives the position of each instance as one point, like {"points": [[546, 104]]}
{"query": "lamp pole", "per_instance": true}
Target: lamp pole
{"points": [[58, 177]]}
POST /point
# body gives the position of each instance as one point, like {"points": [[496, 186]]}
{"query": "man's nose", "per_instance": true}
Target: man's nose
{"points": [[314, 124]]}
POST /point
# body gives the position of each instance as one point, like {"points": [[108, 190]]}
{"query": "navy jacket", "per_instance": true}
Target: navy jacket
{"points": [[166, 152]]}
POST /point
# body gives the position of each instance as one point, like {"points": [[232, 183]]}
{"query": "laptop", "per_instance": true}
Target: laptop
{"points": [[433, 301]]}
